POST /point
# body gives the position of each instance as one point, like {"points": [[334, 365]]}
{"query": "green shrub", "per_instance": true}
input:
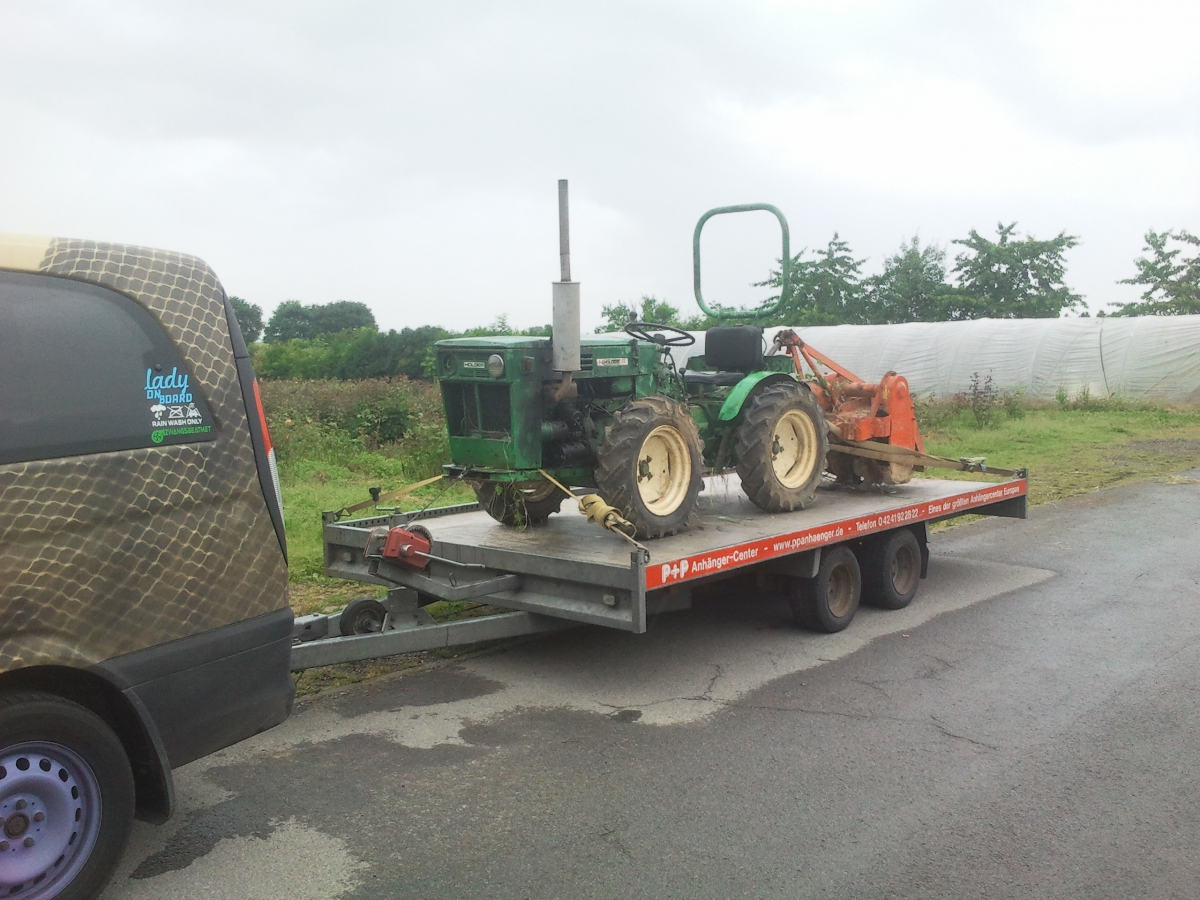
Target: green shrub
{"points": [[346, 423], [1014, 403]]}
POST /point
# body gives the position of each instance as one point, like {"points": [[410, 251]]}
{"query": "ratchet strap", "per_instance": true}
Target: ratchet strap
{"points": [[890, 453], [390, 495], [599, 512]]}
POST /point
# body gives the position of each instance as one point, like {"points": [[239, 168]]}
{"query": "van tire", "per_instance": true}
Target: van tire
{"points": [[72, 764]]}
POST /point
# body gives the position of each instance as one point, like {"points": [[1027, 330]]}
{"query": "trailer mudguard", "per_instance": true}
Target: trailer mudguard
{"points": [[732, 407]]}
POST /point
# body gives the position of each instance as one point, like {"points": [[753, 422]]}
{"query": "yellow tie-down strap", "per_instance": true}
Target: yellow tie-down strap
{"points": [[397, 494], [599, 512]]}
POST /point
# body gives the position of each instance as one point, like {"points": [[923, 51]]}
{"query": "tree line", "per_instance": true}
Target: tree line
{"points": [[315, 341], [1011, 277]]}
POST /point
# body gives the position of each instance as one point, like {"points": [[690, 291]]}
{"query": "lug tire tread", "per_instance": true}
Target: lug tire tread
{"points": [[619, 453], [756, 434], [504, 510]]}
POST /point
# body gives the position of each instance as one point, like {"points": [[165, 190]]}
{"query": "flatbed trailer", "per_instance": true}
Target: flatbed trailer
{"points": [[570, 572]]}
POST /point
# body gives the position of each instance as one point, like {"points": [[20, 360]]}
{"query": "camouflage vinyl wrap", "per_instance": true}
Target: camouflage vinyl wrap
{"points": [[104, 554]]}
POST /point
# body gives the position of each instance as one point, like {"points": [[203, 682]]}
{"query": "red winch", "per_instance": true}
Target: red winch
{"points": [[409, 544]]}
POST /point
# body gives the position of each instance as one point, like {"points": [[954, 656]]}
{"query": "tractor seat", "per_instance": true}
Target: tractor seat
{"points": [[690, 377], [736, 348]]}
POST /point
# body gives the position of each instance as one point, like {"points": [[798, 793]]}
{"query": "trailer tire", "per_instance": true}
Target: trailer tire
{"points": [[66, 795], [891, 569], [651, 465], [362, 616], [781, 447], [519, 504], [829, 601]]}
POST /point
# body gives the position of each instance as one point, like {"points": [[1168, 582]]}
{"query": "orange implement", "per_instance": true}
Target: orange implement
{"points": [[859, 411]]}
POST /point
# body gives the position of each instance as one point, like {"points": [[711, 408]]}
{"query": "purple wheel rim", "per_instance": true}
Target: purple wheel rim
{"points": [[50, 816]]}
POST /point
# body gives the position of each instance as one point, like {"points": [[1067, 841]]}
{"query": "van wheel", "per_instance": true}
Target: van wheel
{"points": [[829, 601], [891, 569], [66, 798]]}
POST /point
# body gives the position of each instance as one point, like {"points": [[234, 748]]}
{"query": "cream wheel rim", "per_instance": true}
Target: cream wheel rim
{"points": [[794, 449], [664, 470]]}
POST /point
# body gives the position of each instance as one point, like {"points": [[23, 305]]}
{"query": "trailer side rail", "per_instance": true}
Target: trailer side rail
{"points": [[571, 574]]}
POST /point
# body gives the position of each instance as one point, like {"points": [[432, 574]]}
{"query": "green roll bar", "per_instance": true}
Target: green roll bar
{"points": [[785, 263]]}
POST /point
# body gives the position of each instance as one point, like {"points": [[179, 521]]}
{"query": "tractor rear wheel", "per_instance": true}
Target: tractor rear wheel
{"points": [[781, 447], [651, 465], [519, 504]]}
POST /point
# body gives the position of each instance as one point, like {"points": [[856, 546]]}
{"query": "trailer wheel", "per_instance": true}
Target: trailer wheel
{"points": [[891, 569], [781, 447], [651, 465], [829, 601], [362, 616], [66, 798], [519, 504]]}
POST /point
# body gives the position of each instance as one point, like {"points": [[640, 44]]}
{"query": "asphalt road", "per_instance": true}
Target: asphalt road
{"points": [[1027, 728]]}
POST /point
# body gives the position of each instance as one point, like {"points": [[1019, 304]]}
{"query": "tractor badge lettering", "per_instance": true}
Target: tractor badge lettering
{"points": [[473, 364], [613, 361]]}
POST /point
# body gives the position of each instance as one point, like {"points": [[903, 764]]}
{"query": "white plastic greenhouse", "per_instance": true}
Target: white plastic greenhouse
{"points": [[1143, 357]]}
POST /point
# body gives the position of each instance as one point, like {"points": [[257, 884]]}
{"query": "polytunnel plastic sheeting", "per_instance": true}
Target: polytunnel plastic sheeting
{"points": [[1148, 356], [1145, 357]]}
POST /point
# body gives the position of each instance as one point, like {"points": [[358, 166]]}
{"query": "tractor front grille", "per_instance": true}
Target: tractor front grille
{"points": [[478, 410]]}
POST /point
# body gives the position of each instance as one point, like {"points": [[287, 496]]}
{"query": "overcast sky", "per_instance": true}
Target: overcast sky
{"points": [[406, 154]]}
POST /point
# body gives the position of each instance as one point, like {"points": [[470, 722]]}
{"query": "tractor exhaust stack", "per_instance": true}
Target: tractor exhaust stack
{"points": [[566, 304]]}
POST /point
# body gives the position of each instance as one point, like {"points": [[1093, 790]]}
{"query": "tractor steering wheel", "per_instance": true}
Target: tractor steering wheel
{"points": [[677, 338]]}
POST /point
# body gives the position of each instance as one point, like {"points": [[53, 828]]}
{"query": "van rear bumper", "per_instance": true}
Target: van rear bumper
{"points": [[207, 691]]}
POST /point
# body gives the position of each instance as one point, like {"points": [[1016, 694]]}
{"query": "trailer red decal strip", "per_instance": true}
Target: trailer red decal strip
{"points": [[714, 561]]}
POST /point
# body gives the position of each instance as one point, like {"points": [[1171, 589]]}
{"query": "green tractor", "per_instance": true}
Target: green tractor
{"points": [[613, 412]]}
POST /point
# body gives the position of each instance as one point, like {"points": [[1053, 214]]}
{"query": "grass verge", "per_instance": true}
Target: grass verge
{"points": [[1070, 449]]}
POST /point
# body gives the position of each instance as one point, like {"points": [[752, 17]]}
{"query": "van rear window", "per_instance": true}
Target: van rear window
{"points": [[86, 370]]}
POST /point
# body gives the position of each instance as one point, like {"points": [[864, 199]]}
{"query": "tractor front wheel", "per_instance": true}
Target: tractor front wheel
{"points": [[781, 447], [519, 504], [651, 465]]}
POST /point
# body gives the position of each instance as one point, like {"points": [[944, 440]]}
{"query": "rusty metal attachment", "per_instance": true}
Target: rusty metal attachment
{"points": [[873, 430]]}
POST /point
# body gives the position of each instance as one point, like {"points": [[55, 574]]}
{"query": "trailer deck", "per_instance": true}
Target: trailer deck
{"points": [[569, 571]]}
